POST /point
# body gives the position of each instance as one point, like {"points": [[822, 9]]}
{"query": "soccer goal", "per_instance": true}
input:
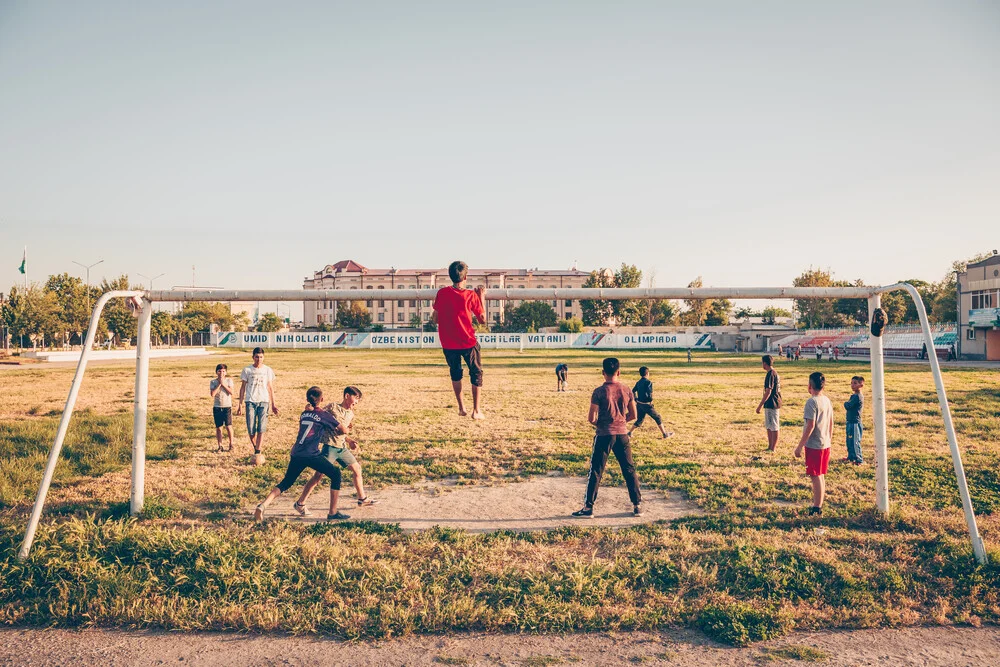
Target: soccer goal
{"points": [[145, 301]]}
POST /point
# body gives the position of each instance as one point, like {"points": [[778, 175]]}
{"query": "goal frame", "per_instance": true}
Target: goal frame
{"points": [[873, 296]]}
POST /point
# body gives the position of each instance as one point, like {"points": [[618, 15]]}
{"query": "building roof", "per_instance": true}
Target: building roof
{"points": [[350, 266], [989, 261]]}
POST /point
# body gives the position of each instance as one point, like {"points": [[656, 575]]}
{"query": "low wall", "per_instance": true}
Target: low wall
{"points": [[98, 355]]}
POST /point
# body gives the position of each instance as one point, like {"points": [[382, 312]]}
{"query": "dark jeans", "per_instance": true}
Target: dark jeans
{"points": [[318, 463], [472, 360], [643, 409], [604, 445]]}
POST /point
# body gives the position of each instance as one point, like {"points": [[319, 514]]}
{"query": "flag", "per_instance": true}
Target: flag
{"points": [[24, 261]]}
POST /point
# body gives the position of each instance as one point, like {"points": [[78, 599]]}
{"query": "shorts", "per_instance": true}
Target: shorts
{"points": [[817, 461], [257, 417], [643, 409], [561, 376], [223, 417], [472, 360], [341, 455], [771, 419]]}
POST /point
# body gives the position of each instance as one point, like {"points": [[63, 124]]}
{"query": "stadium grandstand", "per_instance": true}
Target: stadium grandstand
{"points": [[899, 342]]}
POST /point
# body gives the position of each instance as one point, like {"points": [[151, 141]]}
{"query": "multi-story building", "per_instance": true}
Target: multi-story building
{"points": [[348, 274], [978, 301]]}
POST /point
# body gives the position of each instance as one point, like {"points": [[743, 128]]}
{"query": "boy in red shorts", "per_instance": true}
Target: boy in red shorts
{"points": [[455, 307], [817, 436]]}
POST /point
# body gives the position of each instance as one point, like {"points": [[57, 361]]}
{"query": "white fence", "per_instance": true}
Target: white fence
{"points": [[416, 340]]}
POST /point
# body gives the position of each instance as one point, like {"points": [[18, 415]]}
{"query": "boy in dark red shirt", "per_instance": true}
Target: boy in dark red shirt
{"points": [[455, 307], [611, 406]]}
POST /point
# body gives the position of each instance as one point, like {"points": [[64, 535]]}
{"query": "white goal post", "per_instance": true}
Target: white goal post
{"points": [[147, 298]]}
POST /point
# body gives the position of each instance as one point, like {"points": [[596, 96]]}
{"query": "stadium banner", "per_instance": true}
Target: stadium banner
{"points": [[416, 340]]}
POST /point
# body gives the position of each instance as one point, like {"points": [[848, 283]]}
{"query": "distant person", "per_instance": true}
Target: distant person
{"points": [[562, 372], [455, 307], [611, 407], [689, 355], [819, 353], [836, 354], [789, 353], [798, 352], [923, 351], [817, 436], [313, 423], [220, 388], [779, 349], [257, 391], [643, 392], [853, 406], [770, 401], [338, 448]]}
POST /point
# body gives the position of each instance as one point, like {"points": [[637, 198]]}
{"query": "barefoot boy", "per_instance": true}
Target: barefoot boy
{"points": [[853, 407], [817, 434], [643, 392], [771, 402], [455, 307], [221, 390], [611, 406], [337, 448], [257, 388]]}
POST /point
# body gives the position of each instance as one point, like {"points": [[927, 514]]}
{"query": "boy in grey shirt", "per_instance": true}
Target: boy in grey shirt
{"points": [[221, 390], [817, 435]]}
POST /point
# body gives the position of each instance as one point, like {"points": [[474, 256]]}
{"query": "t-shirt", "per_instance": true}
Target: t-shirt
{"points": [[820, 410], [643, 391], [345, 417], [257, 379], [773, 382], [562, 368], [455, 308], [312, 425], [222, 399], [612, 400], [853, 407]]}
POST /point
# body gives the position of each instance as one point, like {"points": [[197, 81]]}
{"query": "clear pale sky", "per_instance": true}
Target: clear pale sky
{"points": [[258, 141]]}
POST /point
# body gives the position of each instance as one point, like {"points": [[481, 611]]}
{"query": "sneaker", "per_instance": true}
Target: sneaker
{"points": [[258, 513], [301, 509], [636, 510], [818, 511], [585, 512], [846, 459], [339, 516], [367, 501], [668, 434]]}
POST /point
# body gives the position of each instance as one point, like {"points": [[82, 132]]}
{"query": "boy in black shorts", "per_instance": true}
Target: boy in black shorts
{"points": [[643, 391], [562, 372], [221, 390]]}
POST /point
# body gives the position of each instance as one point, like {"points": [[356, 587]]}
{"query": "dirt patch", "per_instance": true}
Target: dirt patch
{"points": [[539, 503], [927, 647]]}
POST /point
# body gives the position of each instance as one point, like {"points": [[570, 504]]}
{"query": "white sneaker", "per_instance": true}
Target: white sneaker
{"points": [[258, 513]]}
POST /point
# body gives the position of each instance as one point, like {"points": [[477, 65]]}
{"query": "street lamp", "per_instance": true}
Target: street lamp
{"points": [[88, 268], [150, 279]]}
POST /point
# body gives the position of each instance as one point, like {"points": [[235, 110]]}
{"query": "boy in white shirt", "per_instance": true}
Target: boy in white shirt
{"points": [[257, 390]]}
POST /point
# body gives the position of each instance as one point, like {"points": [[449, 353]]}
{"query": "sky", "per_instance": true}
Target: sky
{"points": [[259, 141]]}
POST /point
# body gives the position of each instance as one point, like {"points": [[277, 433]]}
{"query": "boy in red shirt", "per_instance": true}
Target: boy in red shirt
{"points": [[455, 307]]}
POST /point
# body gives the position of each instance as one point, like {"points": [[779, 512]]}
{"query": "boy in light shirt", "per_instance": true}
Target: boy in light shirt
{"points": [[817, 436]]}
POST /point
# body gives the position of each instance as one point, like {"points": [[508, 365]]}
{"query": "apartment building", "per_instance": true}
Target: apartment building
{"points": [[978, 301]]}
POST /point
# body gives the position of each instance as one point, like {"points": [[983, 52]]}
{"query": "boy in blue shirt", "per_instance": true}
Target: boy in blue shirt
{"points": [[853, 406]]}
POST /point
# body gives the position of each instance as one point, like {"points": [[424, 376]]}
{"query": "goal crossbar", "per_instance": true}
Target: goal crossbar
{"points": [[147, 298]]}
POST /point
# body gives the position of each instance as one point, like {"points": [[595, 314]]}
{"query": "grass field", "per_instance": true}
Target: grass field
{"points": [[751, 567]]}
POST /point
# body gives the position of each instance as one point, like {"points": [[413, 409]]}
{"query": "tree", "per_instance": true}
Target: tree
{"points": [[201, 315], [161, 325], [269, 322], [571, 325], [529, 316], [71, 294], [354, 315], [432, 323], [771, 314], [662, 314], [697, 309], [745, 313], [827, 312], [718, 313], [415, 321], [117, 316], [32, 315], [623, 313]]}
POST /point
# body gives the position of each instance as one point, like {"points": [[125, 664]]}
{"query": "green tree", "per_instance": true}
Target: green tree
{"points": [[201, 315], [571, 325], [117, 316], [815, 313], [745, 312], [269, 322], [529, 316], [432, 323], [662, 313], [718, 312], [597, 313], [771, 314], [32, 316], [161, 326], [623, 313], [415, 321], [354, 315], [71, 294], [697, 309]]}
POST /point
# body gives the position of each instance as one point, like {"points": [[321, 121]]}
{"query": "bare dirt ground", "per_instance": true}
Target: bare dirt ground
{"points": [[907, 646], [540, 503]]}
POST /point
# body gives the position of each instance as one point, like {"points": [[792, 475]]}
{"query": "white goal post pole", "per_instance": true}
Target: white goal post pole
{"points": [[139, 417], [878, 414], [956, 456], [50, 466]]}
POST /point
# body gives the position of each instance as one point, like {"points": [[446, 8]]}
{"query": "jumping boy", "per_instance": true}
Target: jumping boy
{"points": [[257, 389], [313, 423], [337, 448], [853, 407], [611, 407], [220, 388], [643, 392], [562, 372], [771, 402], [455, 307], [817, 434]]}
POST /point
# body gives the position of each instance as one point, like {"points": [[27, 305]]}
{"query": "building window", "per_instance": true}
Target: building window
{"points": [[555, 304], [970, 334], [400, 303], [368, 304], [982, 299], [569, 315], [381, 317], [381, 304], [569, 303], [413, 303], [400, 317], [426, 316]]}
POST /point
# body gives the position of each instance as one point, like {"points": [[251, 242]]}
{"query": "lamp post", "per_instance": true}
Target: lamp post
{"points": [[88, 268], [150, 279]]}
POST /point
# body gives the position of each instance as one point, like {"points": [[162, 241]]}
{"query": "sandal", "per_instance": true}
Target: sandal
{"points": [[301, 509], [367, 501]]}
